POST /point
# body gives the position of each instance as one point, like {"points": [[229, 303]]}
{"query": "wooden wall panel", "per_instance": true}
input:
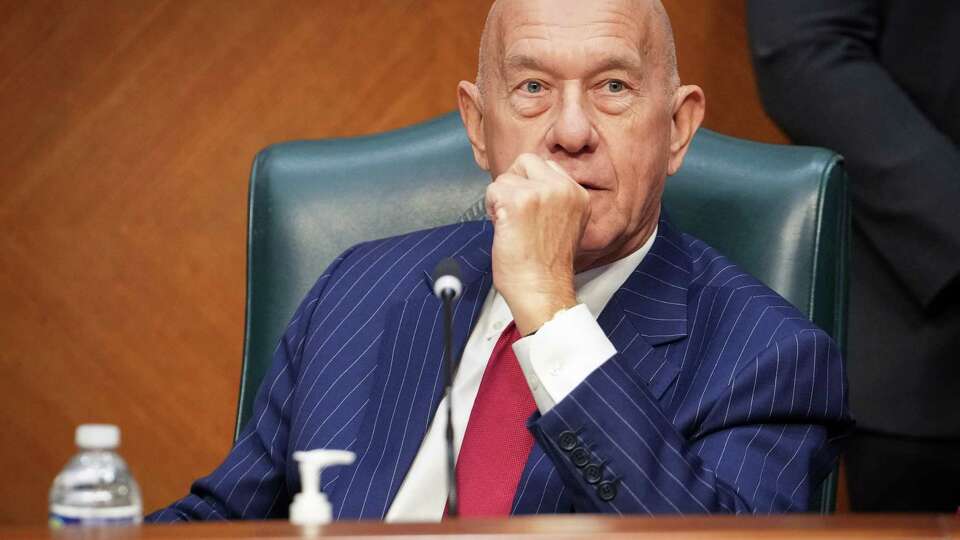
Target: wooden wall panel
{"points": [[126, 135], [712, 51]]}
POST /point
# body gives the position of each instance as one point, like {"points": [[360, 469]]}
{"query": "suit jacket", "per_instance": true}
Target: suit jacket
{"points": [[722, 396], [878, 81]]}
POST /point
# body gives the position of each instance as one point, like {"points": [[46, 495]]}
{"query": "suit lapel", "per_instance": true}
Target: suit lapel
{"points": [[409, 385], [648, 313]]}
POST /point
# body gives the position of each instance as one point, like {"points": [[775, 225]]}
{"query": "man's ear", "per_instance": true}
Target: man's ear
{"points": [[471, 112], [688, 108]]}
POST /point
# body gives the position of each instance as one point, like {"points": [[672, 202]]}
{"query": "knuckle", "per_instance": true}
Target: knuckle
{"points": [[527, 160], [525, 198], [505, 179], [494, 194]]}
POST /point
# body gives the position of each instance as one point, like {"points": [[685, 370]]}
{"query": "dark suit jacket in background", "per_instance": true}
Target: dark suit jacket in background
{"points": [[879, 81], [722, 396]]}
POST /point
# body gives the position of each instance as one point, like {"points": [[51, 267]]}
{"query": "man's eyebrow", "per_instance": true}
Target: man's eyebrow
{"points": [[618, 62], [523, 61], [611, 62]]}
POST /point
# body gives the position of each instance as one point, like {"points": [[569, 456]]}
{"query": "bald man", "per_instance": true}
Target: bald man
{"points": [[612, 363]]}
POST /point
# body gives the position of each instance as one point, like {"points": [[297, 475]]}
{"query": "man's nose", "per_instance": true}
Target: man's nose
{"points": [[572, 129]]}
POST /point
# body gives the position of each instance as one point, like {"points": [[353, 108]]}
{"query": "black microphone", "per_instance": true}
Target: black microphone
{"points": [[446, 279], [447, 286]]}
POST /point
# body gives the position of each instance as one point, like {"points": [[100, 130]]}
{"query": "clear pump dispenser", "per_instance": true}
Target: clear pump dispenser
{"points": [[310, 506]]}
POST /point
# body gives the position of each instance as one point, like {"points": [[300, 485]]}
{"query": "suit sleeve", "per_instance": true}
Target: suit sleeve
{"points": [[820, 79], [250, 483], [759, 443]]}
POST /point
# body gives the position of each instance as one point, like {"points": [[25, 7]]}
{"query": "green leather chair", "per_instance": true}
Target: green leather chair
{"points": [[779, 211]]}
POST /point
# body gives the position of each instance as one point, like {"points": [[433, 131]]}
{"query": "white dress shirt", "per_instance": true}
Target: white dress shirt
{"points": [[554, 360]]}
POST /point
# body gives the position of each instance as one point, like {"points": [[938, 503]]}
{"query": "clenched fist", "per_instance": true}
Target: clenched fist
{"points": [[539, 215]]}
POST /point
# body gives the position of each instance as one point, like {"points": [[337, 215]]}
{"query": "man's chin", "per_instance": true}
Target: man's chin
{"points": [[590, 245], [599, 247], [595, 250]]}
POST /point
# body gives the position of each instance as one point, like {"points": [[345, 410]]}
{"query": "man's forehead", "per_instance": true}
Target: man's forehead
{"points": [[617, 22]]}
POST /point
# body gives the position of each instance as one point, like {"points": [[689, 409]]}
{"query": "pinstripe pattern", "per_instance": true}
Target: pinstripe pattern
{"points": [[722, 397]]}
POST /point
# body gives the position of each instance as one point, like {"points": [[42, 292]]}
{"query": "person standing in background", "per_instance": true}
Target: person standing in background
{"points": [[879, 82]]}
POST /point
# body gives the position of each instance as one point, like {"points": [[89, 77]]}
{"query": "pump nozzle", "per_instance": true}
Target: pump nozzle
{"points": [[310, 506]]}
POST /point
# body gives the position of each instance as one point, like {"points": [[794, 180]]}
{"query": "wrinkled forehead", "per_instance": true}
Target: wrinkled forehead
{"points": [[572, 32]]}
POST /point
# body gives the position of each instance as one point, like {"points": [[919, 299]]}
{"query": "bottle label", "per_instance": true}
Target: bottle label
{"points": [[62, 515]]}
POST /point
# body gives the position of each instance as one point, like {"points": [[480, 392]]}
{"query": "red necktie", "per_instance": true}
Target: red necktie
{"points": [[497, 443]]}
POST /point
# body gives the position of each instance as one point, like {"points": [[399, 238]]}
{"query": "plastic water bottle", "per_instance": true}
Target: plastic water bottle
{"points": [[96, 487]]}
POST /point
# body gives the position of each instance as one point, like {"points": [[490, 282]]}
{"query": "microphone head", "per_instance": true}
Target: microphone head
{"points": [[446, 279]]}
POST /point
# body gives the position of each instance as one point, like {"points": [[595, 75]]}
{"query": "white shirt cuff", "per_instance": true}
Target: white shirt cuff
{"points": [[563, 352]]}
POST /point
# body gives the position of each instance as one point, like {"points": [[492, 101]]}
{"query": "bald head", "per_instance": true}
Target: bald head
{"points": [[656, 40]]}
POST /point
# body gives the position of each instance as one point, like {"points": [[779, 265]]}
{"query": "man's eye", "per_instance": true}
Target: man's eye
{"points": [[616, 86], [533, 87]]}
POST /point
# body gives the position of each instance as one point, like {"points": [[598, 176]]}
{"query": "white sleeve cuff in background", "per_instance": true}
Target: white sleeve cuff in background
{"points": [[563, 352]]}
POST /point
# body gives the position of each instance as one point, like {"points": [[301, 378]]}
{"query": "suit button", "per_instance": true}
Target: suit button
{"points": [[568, 441], [593, 473], [580, 457], [607, 491]]}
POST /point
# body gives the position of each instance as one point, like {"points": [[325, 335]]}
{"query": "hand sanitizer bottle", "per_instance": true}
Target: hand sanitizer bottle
{"points": [[310, 506]]}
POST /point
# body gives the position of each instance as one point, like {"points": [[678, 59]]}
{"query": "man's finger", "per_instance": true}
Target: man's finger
{"points": [[562, 172], [533, 166], [510, 179], [556, 166], [530, 166], [493, 199]]}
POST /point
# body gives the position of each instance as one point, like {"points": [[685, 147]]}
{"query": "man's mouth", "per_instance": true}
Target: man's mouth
{"points": [[589, 185]]}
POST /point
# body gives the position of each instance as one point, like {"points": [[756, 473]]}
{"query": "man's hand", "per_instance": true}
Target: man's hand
{"points": [[539, 214]]}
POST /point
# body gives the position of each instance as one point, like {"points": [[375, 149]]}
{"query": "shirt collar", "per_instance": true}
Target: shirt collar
{"points": [[596, 286]]}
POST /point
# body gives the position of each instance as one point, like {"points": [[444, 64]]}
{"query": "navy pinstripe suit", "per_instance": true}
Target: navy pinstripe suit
{"points": [[722, 396]]}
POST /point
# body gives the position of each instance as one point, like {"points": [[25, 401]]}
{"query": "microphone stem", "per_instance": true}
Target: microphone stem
{"points": [[451, 459]]}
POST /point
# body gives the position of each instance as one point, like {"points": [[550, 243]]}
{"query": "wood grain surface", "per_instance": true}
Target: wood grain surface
{"points": [[840, 527], [126, 135]]}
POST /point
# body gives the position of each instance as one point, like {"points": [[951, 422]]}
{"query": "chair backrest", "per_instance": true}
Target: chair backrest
{"points": [[778, 211]]}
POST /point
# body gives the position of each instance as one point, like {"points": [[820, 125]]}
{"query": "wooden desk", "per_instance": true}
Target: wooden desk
{"points": [[594, 527]]}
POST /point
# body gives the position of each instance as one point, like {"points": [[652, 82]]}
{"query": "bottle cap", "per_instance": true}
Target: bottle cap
{"points": [[98, 436], [310, 506]]}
